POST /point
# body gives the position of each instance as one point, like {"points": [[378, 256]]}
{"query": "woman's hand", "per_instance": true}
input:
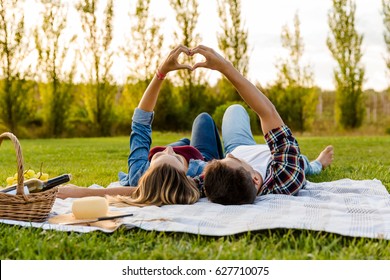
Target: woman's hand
{"points": [[149, 99], [73, 191], [214, 61], [70, 190], [171, 63]]}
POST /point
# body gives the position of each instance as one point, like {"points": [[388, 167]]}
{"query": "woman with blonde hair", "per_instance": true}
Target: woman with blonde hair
{"points": [[162, 175], [160, 185]]}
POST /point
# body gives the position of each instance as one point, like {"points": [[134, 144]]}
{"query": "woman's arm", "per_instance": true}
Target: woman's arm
{"points": [[149, 98], [259, 103], [76, 192], [140, 138]]}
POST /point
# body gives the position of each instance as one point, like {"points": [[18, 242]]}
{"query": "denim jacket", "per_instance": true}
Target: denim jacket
{"points": [[140, 142]]}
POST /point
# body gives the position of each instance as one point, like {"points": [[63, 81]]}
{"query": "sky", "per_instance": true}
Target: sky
{"points": [[264, 20]]}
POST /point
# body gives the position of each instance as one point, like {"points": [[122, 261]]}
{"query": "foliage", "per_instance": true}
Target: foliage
{"points": [[296, 105], [293, 94], [15, 92], [97, 160], [345, 45], [386, 32], [233, 39], [220, 111], [41, 94], [99, 97], [233, 42], [143, 48], [130, 95], [225, 91], [168, 113], [53, 50], [189, 82]]}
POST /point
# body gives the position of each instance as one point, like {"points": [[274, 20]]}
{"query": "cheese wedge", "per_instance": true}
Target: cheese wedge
{"points": [[90, 207]]}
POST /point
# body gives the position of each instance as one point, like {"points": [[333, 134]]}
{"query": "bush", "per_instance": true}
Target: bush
{"points": [[254, 119]]}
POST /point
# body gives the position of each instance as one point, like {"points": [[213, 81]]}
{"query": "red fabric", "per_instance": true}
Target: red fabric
{"points": [[188, 152]]}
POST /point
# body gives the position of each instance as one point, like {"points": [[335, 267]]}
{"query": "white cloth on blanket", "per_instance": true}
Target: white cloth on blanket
{"points": [[346, 207]]}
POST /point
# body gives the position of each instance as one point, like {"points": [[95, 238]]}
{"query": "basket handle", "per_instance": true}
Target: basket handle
{"points": [[19, 158]]}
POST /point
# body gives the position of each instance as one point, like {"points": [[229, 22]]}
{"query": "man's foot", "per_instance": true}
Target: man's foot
{"points": [[326, 157]]}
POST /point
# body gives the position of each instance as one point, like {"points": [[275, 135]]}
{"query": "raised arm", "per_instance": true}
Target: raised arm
{"points": [[259, 103], [141, 133], [149, 98]]}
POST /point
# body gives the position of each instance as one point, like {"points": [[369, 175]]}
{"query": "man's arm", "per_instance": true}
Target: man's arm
{"points": [[259, 103]]}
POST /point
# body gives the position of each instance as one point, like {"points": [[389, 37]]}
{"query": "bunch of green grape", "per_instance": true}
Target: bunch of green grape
{"points": [[28, 174]]}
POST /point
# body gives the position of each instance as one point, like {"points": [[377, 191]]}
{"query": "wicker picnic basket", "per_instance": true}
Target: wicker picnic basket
{"points": [[34, 207]]}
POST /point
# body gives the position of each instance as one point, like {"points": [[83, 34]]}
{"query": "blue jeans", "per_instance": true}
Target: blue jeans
{"points": [[236, 131], [204, 137]]}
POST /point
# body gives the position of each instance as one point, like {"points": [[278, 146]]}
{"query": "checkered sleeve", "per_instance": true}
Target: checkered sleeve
{"points": [[285, 172], [199, 181]]}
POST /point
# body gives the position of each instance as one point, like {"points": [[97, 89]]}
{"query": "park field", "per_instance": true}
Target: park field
{"points": [[98, 160]]}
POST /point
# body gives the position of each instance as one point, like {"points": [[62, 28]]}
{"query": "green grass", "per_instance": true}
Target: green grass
{"points": [[97, 160]]}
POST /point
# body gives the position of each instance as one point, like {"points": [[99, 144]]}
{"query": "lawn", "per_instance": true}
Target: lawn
{"points": [[97, 160]]}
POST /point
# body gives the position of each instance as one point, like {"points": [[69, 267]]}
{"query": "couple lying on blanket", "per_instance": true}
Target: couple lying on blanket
{"points": [[186, 170]]}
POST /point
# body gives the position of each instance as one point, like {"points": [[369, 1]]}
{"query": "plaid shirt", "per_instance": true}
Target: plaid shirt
{"points": [[199, 181], [285, 171]]}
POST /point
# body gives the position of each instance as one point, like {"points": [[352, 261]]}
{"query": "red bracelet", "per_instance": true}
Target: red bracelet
{"points": [[160, 75]]}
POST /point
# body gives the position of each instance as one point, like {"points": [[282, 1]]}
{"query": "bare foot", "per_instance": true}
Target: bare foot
{"points": [[326, 156]]}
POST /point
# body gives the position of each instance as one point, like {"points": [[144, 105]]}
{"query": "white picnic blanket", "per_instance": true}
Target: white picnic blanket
{"points": [[346, 207]]}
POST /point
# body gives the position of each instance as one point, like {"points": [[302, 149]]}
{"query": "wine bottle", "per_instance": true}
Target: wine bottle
{"points": [[35, 185]]}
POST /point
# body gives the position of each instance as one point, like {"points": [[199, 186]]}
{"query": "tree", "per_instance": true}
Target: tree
{"points": [[15, 102], [167, 111], [143, 48], [233, 42], [386, 32], [98, 53], [52, 49], [344, 43], [142, 51], [191, 83], [293, 92]]}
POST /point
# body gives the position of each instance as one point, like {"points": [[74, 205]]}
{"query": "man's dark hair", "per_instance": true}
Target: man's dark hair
{"points": [[228, 186]]}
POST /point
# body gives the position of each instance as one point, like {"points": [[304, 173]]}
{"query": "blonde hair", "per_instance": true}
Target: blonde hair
{"points": [[160, 185]]}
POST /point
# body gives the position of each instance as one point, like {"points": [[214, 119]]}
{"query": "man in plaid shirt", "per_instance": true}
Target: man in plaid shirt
{"points": [[250, 169]]}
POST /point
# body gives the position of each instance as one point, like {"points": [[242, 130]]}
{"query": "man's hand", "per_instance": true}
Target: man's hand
{"points": [[214, 61]]}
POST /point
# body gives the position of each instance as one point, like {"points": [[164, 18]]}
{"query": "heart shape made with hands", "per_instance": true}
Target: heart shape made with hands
{"points": [[190, 60]]}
